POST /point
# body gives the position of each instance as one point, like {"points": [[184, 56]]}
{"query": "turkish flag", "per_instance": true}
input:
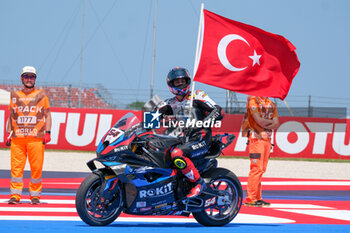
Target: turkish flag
{"points": [[245, 59]]}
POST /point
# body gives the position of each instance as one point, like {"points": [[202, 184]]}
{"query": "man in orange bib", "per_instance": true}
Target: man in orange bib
{"points": [[29, 128], [261, 119]]}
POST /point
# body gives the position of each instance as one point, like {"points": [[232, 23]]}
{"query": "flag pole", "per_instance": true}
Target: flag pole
{"points": [[154, 45], [290, 111], [196, 60]]}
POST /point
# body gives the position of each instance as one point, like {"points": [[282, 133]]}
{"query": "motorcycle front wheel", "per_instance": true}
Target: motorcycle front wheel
{"points": [[225, 183], [95, 209]]}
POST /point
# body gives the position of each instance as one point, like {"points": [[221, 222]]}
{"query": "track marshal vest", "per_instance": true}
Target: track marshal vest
{"points": [[28, 113]]}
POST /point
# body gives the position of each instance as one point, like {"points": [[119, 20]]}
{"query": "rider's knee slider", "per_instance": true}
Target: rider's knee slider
{"points": [[180, 162]]}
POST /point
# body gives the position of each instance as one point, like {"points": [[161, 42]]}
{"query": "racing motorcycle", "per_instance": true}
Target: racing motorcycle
{"points": [[133, 174]]}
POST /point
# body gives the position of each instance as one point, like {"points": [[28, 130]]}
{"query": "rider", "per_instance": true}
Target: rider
{"points": [[204, 108]]}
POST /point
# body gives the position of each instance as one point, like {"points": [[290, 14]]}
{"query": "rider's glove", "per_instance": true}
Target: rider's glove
{"points": [[216, 114], [47, 137], [166, 110]]}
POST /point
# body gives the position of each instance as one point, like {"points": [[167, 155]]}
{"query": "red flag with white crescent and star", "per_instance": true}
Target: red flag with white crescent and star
{"points": [[245, 59]]}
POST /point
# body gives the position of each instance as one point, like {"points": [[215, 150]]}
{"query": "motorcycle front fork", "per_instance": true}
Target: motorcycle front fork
{"points": [[108, 183]]}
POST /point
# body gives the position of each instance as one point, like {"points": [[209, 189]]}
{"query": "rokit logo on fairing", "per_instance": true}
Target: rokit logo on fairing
{"points": [[156, 192]]}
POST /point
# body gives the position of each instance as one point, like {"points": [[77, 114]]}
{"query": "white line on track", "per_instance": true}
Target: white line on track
{"points": [[297, 206], [290, 183], [241, 218], [44, 201], [335, 214], [37, 209]]}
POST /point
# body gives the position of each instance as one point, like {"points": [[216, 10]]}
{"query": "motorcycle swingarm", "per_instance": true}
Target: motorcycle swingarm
{"points": [[201, 203]]}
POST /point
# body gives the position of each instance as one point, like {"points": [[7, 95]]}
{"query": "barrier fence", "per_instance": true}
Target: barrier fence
{"points": [[297, 137]]}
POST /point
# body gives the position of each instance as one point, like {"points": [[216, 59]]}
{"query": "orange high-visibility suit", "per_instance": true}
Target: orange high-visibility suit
{"points": [[27, 121], [259, 144]]}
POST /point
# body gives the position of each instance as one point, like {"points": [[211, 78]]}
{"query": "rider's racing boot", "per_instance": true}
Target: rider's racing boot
{"points": [[197, 189]]}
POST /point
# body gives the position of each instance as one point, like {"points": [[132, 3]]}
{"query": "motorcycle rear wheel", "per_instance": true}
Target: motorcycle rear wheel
{"points": [[89, 206], [226, 182]]}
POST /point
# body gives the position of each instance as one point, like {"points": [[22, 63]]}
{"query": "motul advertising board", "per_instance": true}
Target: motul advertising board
{"points": [[297, 137]]}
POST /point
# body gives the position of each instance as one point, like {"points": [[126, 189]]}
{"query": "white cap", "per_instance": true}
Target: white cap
{"points": [[28, 69]]}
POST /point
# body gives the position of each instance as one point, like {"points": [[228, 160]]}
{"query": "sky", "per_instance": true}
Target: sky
{"points": [[118, 42]]}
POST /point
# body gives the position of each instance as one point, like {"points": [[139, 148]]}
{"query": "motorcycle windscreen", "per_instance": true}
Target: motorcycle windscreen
{"points": [[119, 136]]}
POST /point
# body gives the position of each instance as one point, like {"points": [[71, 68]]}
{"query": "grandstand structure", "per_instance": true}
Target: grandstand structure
{"points": [[67, 96], [99, 97]]}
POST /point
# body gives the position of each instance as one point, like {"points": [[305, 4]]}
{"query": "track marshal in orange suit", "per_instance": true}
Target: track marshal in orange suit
{"points": [[28, 130], [261, 118]]}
